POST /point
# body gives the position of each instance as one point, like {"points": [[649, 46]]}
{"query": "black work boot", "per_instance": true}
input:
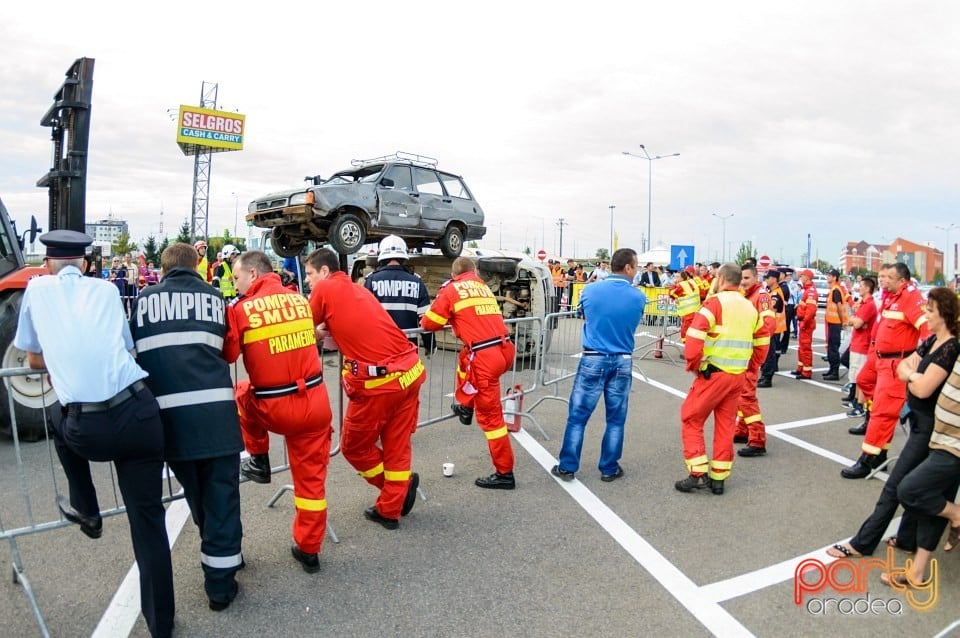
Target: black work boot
{"points": [[693, 483], [861, 429], [497, 481], [464, 413], [256, 467], [833, 374], [765, 382], [864, 465]]}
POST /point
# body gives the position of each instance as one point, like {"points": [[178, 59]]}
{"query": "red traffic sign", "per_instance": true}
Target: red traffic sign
{"points": [[541, 254], [763, 263]]}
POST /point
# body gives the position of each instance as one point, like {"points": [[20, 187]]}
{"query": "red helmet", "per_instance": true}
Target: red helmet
{"points": [[199, 244]]}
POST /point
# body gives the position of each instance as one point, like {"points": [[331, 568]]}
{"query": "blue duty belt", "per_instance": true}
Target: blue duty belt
{"points": [[291, 388], [102, 406], [489, 343]]}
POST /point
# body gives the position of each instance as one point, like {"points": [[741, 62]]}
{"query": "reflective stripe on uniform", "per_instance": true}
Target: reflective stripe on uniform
{"points": [[310, 504], [761, 341], [698, 464], [373, 471], [394, 475], [194, 397], [697, 334], [406, 377], [896, 315], [473, 302], [407, 307], [277, 330], [189, 338], [435, 318], [221, 562], [870, 449], [922, 320], [496, 434], [752, 418]]}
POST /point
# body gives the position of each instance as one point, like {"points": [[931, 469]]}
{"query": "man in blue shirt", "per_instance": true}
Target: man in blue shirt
{"points": [[110, 414], [611, 310]]}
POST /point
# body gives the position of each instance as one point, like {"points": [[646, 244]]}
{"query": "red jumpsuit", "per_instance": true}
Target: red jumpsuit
{"points": [[807, 316], [901, 327], [749, 420], [468, 305], [381, 376], [273, 329], [719, 394]]}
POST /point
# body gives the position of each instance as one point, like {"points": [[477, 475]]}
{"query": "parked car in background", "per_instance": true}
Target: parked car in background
{"points": [[401, 194], [823, 290]]}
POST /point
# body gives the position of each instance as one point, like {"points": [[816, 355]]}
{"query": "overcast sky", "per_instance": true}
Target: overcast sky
{"points": [[837, 119]]}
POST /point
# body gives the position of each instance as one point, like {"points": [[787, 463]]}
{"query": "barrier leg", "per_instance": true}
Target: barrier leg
{"points": [[19, 576]]}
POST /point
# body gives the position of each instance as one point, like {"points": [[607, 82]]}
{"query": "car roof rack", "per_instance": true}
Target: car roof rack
{"points": [[399, 156]]}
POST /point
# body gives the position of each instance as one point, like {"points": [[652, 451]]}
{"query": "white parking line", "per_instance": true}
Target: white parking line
{"points": [[715, 618], [124, 608]]}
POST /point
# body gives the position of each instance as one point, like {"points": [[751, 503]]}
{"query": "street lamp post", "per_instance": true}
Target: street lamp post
{"points": [[612, 206], [723, 246], [946, 257], [236, 211], [650, 160]]}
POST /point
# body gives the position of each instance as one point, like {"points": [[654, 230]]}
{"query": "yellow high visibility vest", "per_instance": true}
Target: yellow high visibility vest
{"points": [[729, 346], [226, 282], [833, 309], [202, 269], [689, 303], [781, 316]]}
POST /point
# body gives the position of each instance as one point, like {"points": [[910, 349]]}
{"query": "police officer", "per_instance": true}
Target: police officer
{"points": [[381, 376], [178, 328], [777, 305], [109, 413], [223, 278], [487, 353], [273, 328], [402, 294]]}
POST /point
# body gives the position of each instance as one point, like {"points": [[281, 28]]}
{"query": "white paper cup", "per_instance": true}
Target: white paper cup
{"points": [[448, 469]]}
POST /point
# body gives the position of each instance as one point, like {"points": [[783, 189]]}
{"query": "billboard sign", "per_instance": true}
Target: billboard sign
{"points": [[215, 129]]}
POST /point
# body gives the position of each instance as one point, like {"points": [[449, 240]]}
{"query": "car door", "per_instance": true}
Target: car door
{"points": [[398, 200], [435, 207], [464, 207]]}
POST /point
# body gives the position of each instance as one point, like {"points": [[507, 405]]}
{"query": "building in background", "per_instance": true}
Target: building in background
{"points": [[105, 232], [924, 260]]}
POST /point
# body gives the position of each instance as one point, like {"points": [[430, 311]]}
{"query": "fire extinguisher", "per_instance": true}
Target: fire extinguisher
{"points": [[512, 406], [658, 349]]}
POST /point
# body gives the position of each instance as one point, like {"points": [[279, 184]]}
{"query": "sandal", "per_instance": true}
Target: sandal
{"points": [[843, 551], [953, 539], [897, 582], [894, 542]]}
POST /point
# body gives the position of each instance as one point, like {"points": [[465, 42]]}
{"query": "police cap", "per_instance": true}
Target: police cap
{"points": [[65, 244], [773, 272]]}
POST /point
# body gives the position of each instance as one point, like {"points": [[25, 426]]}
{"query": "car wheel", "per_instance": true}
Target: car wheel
{"points": [[500, 266], [451, 245], [347, 234], [32, 396], [284, 245]]}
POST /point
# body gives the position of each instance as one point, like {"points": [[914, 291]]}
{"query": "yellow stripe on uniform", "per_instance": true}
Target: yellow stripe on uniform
{"points": [[379, 381], [759, 341], [373, 471], [473, 302], [892, 314], [392, 475], [753, 419], [277, 330], [310, 504], [697, 334], [435, 318], [496, 434]]}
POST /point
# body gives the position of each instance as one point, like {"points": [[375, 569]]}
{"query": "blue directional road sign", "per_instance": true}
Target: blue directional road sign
{"points": [[681, 257]]}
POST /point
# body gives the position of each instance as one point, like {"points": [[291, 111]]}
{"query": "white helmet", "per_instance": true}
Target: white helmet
{"points": [[229, 250], [392, 247]]}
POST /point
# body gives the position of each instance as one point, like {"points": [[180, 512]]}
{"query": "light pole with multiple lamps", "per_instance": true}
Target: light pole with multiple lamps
{"points": [[612, 206], [650, 160], [947, 276], [723, 247]]}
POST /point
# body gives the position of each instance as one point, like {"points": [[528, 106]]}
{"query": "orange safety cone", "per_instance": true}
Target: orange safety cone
{"points": [[512, 406]]}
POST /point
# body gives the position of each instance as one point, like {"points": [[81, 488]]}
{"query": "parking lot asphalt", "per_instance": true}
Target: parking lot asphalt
{"points": [[584, 558]]}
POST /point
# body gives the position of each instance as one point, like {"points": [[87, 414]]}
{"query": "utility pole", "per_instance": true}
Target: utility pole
{"points": [[561, 223], [611, 207]]}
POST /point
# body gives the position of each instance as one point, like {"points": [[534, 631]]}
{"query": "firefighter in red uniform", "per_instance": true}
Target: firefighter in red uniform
{"points": [[687, 295], [273, 328], [719, 349], [750, 427], [807, 318], [867, 377], [468, 305], [902, 325], [381, 377]]}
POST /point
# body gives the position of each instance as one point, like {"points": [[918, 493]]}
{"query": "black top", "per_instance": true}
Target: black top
{"points": [[944, 356]]}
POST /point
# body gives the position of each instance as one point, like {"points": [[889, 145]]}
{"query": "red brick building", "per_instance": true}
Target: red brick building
{"points": [[923, 260]]}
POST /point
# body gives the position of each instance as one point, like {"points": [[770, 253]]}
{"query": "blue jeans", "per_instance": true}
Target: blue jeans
{"points": [[611, 375]]}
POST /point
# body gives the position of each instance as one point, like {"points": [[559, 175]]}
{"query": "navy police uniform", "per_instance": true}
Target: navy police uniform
{"points": [[109, 413], [178, 328], [404, 296]]}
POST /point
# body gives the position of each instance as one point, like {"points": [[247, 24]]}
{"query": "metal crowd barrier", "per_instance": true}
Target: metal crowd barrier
{"points": [[658, 334], [30, 490]]}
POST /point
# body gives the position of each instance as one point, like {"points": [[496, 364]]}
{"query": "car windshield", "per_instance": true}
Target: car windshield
{"points": [[365, 174]]}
